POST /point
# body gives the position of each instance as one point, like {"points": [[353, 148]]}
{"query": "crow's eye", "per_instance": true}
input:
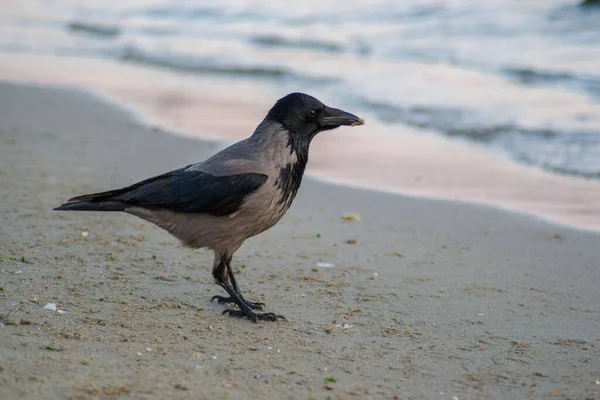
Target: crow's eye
{"points": [[312, 113]]}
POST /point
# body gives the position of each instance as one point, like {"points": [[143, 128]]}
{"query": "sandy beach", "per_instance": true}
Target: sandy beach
{"points": [[421, 298]]}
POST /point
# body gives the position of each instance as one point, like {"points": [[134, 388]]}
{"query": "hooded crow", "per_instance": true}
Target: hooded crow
{"points": [[238, 193]]}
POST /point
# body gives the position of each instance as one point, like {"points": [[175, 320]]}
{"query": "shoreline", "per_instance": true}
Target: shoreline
{"points": [[148, 122], [412, 165], [130, 112], [431, 296]]}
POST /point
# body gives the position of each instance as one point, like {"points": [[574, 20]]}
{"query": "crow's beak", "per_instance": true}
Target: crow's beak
{"points": [[332, 117]]}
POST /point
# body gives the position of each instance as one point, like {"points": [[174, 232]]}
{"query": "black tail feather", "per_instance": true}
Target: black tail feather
{"points": [[87, 205], [98, 197], [103, 201]]}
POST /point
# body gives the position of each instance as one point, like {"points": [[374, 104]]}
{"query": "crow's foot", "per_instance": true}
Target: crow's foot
{"points": [[253, 316], [229, 300]]}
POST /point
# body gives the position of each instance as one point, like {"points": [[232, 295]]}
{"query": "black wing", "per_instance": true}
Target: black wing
{"points": [[186, 191]]}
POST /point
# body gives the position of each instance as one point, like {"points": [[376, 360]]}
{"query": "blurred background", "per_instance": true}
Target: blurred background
{"points": [[457, 90]]}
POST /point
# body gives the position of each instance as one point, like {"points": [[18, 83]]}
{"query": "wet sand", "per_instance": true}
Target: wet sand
{"points": [[405, 161], [425, 299]]}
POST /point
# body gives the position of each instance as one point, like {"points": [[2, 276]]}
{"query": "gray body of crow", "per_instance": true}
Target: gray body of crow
{"points": [[266, 152]]}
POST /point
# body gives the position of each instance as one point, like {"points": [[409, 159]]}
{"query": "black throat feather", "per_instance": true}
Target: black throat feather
{"points": [[290, 176]]}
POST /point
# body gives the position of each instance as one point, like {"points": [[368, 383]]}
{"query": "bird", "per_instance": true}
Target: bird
{"points": [[235, 194]]}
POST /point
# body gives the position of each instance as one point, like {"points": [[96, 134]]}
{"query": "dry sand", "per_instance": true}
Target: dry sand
{"points": [[440, 298]]}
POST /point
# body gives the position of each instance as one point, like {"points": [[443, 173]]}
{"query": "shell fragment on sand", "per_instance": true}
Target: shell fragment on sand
{"points": [[325, 265], [351, 217], [53, 307]]}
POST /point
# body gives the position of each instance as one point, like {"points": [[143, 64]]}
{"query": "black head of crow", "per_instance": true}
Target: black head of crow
{"points": [[304, 116]]}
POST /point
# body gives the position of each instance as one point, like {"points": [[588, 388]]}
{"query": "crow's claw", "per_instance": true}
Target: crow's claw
{"points": [[253, 316], [254, 305], [229, 300], [222, 299]]}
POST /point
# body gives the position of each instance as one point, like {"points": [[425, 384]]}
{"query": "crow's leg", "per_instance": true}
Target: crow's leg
{"points": [[222, 274], [233, 283], [236, 288], [244, 310]]}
